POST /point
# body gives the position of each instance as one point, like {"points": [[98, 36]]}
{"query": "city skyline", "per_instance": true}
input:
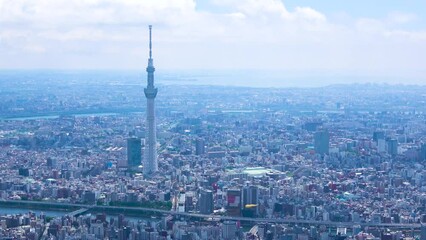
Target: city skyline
{"points": [[276, 120], [261, 163], [306, 38]]}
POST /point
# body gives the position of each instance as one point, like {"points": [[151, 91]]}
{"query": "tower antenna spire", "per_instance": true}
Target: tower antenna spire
{"points": [[150, 41]]}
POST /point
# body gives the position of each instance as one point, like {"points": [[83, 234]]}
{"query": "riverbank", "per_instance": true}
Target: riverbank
{"points": [[53, 115], [68, 208], [14, 211], [37, 206]]}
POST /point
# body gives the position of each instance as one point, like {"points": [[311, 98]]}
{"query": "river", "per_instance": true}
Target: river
{"points": [[12, 211], [57, 116]]}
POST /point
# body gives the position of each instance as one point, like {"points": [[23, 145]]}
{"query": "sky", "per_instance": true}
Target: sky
{"points": [[363, 37]]}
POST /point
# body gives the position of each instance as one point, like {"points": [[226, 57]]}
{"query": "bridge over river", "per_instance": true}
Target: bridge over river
{"points": [[79, 209]]}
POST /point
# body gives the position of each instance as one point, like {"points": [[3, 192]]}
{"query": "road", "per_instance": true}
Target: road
{"points": [[218, 217]]}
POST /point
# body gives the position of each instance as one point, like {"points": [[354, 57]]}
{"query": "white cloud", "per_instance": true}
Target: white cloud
{"points": [[418, 36], [35, 48], [309, 14], [401, 18], [248, 34], [370, 26]]}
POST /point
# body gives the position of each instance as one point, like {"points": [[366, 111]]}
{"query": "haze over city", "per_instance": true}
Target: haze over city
{"points": [[318, 42]]}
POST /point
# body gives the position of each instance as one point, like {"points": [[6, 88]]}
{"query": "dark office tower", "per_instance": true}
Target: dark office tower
{"points": [[392, 147], [378, 135], [150, 159], [24, 172], [200, 147], [189, 199], [250, 195], [89, 197], [229, 230], [205, 201], [321, 142], [423, 152], [134, 155], [423, 232], [120, 221]]}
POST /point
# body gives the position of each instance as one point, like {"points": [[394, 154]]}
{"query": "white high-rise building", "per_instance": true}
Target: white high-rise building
{"points": [[150, 165]]}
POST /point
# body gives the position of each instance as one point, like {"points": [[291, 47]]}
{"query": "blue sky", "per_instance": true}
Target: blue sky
{"points": [[354, 9], [363, 8], [358, 8], [374, 38]]}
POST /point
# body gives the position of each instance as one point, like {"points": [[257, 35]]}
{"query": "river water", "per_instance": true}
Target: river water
{"points": [[57, 116], [13, 211]]}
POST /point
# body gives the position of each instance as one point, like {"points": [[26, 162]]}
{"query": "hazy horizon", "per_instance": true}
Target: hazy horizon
{"points": [[213, 77], [384, 40]]}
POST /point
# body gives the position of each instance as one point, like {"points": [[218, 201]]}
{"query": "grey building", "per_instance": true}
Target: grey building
{"points": [[200, 147], [229, 230], [322, 142], [205, 201], [392, 147], [134, 153], [423, 152], [250, 195], [423, 232], [378, 135]]}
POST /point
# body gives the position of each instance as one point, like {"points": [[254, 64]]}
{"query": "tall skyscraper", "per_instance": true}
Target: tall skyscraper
{"points": [[205, 201], [378, 135], [423, 232], [229, 230], [200, 147], [392, 146], [423, 151], [150, 159], [134, 155], [321, 142], [250, 195]]}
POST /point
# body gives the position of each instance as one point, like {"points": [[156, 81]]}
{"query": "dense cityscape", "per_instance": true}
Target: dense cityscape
{"points": [[326, 161]]}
